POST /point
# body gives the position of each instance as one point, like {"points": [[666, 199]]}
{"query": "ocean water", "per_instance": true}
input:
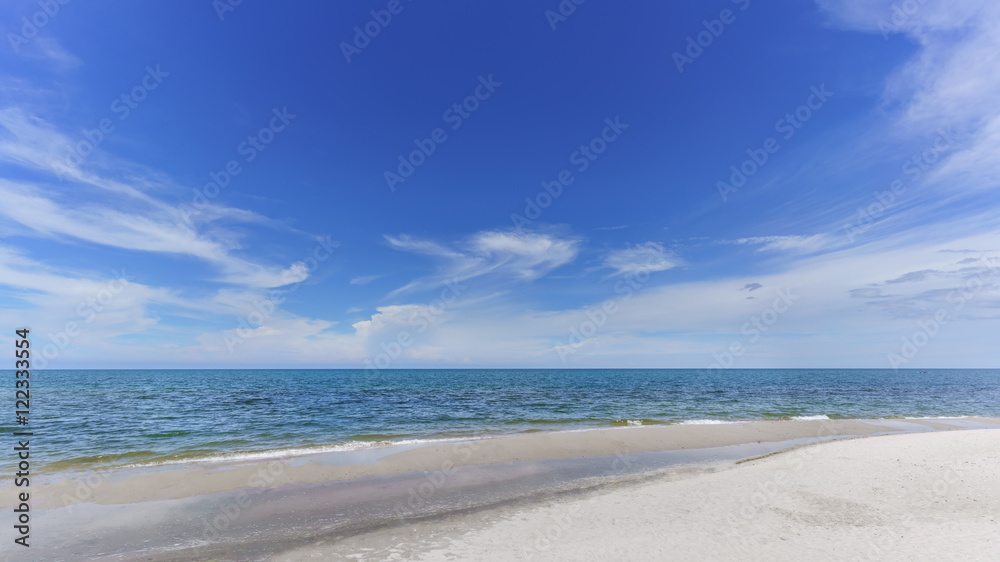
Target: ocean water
{"points": [[95, 418]]}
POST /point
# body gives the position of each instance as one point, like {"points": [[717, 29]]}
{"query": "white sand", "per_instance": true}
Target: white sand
{"points": [[927, 496]]}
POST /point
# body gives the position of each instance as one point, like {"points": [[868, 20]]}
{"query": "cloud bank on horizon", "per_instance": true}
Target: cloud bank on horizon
{"points": [[220, 202]]}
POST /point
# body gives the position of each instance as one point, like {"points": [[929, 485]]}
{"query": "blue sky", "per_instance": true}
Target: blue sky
{"points": [[729, 183]]}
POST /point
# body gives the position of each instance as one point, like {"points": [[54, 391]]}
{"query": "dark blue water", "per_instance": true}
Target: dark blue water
{"points": [[100, 417]]}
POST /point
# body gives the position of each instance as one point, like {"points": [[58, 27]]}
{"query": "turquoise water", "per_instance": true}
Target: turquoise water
{"points": [[113, 417]]}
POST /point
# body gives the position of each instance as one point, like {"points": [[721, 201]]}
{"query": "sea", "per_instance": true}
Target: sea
{"points": [[88, 419]]}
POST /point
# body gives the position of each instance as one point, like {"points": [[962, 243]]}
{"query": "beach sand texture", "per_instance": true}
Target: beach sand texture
{"points": [[927, 496]]}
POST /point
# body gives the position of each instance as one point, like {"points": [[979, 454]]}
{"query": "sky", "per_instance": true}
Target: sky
{"points": [[408, 184]]}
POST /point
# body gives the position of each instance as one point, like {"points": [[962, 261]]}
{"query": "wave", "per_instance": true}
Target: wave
{"points": [[275, 454], [642, 421], [709, 422], [147, 459], [727, 422]]}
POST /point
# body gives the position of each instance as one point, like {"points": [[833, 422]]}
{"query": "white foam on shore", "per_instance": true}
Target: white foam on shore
{"points": [[731, 422], [276, 454]]}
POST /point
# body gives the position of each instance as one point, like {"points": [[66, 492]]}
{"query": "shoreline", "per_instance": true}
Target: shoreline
{"points": [[306, 466], [279, 505], [373, 448], [186, 478]]}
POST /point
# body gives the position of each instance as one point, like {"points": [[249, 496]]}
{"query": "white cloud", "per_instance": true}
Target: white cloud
{"points": [[528, 256], [71, 311], [650, 256], [676, 325], [500, 254], [387, 318], [34, 144], [950, 83], [786, 243], [152, 231]]}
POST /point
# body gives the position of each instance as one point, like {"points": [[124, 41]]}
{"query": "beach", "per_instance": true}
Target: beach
{"points": [[931, 496], [796, 489]]}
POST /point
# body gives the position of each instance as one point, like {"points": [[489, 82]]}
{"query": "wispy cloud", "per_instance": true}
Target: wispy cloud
{"points": [[364, 280], [951, 82], [499, 254], [912, 276], [786, 243], [649, 256], [46, 49], [152, 231]]}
